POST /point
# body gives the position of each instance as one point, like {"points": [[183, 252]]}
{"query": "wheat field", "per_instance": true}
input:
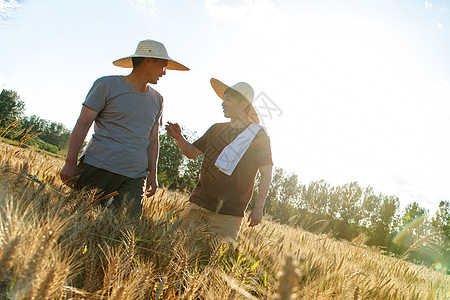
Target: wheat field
{"points": [[56, 244]]}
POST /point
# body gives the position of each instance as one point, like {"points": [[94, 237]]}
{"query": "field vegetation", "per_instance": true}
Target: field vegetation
{"points": [[56, 244], [346, 211]]}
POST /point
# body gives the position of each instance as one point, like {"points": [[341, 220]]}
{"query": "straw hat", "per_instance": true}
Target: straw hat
{"points": [[154, 49], [244, 89]]}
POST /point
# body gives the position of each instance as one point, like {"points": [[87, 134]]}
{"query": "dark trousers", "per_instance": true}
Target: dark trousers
{"points": [[129, 189]]}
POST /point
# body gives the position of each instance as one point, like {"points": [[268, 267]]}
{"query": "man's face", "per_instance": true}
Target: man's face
{"points": [[231, 106], [156, 69]]}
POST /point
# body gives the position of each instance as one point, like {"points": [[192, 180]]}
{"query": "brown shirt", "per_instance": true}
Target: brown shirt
{"points": [[216, 191]]}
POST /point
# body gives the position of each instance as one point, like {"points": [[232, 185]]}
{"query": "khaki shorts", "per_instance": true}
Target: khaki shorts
{"points": [[225, 226]]}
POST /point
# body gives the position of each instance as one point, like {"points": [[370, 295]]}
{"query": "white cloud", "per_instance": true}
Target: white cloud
{"points": [[428, 4], [8, 8], [439, 25], [227, 10], [443, 8], [149, 5], [413, 192], [240, 10]]}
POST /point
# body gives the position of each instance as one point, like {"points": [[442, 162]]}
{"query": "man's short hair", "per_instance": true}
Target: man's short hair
{"points": [[236, 95], [137, 61]]}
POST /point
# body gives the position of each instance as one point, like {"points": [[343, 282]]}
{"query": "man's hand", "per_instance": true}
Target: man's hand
{"points": [[173, 130], [257, 212], [151, 185], [68, 174], [255, 217]]}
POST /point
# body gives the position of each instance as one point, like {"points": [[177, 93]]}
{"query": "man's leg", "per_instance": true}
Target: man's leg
{"points": [[192, 216], [130, 194], [107, 182], [95, 178], [226, 226]]}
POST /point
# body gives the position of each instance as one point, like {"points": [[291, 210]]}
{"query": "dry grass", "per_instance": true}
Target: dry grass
{"points": [[58, 245]]}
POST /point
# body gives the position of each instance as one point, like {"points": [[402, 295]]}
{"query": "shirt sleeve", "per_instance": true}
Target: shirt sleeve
{"points": [[263, 150], [159, 118], [201, 143], [96, 98]]}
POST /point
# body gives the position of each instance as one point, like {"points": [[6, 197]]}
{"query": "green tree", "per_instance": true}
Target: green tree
{"points": [[347, 204], [11, 107], [441, 219], [351, 203], [370, 203], [56, 134], [315, 197], [414, 212], [381, 219], [35, 123], [190, 173], [49, 132], [413, 226], [169, 162], [283, 195], [334, 202], [190, 168], [174, 170]]}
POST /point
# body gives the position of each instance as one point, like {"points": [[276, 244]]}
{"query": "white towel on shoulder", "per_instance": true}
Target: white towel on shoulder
{"points": [[232, 154]]}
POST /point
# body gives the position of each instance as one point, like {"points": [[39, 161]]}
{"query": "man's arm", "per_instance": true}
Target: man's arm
{"points": [[174, 130], [79, 132], [257, 212], [152, 153]]}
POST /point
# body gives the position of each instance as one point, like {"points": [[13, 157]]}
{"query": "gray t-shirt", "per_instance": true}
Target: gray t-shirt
{"points": [[122, 127]]}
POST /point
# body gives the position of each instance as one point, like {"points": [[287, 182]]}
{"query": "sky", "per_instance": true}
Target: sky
{"points": [[348, 90]]}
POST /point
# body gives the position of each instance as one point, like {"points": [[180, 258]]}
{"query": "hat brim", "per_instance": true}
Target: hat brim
{"points": [[219, 87], [126, 62]]}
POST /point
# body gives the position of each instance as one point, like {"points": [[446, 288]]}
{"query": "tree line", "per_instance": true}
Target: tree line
{"points": [[349, 211], [33, 130]]}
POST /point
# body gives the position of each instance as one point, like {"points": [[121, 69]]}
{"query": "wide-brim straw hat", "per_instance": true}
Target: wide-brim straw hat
{"points": [[244, 89], [153, 49]]}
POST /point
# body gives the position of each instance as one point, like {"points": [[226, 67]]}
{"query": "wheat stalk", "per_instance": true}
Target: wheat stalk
{"points": [[287, 280]]}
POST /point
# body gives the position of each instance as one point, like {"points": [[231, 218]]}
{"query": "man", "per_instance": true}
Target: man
{"points": [[234, 152], [123, 150]]}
